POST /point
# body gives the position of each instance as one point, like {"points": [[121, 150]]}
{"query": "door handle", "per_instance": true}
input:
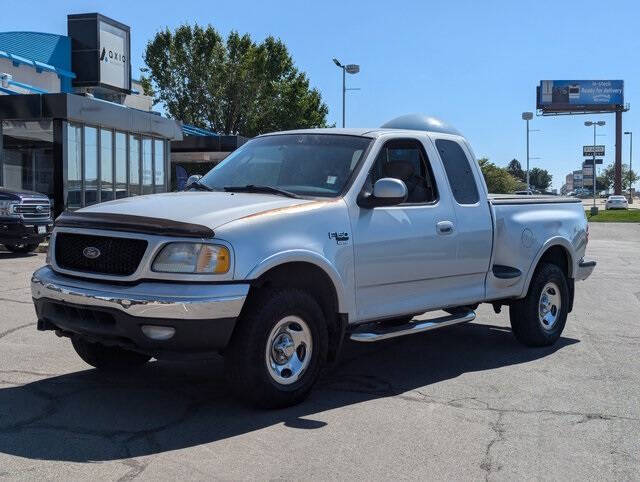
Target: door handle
{"points": [[444, 227]]}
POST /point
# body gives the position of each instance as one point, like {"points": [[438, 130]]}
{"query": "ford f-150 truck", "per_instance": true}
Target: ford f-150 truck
{"points": [[300, 239], [25, 219]]}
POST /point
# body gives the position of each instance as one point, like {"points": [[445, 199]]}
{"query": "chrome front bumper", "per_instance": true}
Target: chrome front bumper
{"points": [[191, 301], [585, 268]]}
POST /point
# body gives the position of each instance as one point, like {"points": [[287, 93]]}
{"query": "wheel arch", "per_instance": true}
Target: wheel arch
{"points": [[317, 278], [557, 251]]}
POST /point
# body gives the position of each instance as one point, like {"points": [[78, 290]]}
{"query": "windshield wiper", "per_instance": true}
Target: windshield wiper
{"points": [[200, 186], [261, 189]]}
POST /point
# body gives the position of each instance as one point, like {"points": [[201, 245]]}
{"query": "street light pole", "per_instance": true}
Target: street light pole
{"points": [[630, 134], [527, 116], [346, 69]]}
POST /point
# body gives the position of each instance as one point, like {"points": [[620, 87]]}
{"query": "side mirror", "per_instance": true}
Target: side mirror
{"points": [[192, 180], [387, 191]]}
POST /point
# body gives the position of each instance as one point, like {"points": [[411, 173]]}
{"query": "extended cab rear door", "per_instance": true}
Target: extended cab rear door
{"points": [[473, 222]]}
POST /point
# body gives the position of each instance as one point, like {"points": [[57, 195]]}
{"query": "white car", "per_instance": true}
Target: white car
{"points": [[616, 202]]}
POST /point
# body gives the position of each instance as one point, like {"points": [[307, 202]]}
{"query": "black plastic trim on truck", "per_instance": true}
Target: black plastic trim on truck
{"points": [[132, 224], [505, 272]]}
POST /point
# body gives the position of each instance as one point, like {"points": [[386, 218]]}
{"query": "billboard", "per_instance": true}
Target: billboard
{"points": [[578, 95]]}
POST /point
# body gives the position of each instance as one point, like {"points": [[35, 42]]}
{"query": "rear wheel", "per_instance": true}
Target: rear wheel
{"points": [[540, 317], [107, 357], [278, 348], [21, 247]]}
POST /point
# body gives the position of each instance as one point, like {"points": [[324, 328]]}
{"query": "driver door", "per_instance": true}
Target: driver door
{"points": [[403, 253]]}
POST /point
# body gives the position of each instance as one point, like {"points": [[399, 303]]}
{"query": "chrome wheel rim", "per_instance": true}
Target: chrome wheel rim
{"points": [[288, 351], [549, 305]]}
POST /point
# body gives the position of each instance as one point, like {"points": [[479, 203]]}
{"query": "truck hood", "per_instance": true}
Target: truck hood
{"points": [[211, 209]]}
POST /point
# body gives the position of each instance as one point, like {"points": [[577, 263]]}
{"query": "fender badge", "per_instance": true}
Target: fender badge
{"points": [[341, 238]]}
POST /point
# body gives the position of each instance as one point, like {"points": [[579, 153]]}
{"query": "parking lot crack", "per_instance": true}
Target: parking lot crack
{"points": [[135, 469], [488, 464], [13, 330]]}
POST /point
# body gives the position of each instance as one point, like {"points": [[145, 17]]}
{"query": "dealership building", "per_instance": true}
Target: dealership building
{"points": [[75, 126]]}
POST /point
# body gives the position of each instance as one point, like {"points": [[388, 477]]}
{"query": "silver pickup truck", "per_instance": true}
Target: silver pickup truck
{"points": [[301, 239]]}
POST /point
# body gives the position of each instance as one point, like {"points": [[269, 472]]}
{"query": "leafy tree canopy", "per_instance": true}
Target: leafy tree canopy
{"points": [[498, 179], [539, 179], [232, 86], [607, 176]]}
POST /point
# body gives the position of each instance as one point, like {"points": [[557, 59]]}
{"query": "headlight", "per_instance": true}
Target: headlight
{"points": [[7, 208], [192, 258]]}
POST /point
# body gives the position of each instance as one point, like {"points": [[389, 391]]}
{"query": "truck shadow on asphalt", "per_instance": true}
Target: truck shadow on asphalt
{"points": [[91, 416]]}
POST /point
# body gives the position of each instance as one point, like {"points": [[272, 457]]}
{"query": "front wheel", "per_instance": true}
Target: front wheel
{"points": [[278, 348], [21, 247], [539, 318]]}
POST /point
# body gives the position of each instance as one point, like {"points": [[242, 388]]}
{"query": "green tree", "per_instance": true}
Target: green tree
{"points": [[539, 179], [498, 179], [233, 86], [515, 169], [607, 177]]}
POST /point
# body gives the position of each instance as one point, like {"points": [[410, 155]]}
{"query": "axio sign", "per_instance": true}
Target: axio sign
{"points": [[566, 95], [114, 57], [100, 53]]}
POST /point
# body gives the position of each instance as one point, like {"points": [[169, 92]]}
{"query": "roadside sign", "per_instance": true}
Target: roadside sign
{"points": [[588, 162], [589, 150]]}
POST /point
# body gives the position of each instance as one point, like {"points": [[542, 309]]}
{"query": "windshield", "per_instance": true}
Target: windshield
{"points": [[303, 164]]}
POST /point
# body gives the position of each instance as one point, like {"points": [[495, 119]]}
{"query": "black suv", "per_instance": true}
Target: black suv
{"points": [[25, 219]]}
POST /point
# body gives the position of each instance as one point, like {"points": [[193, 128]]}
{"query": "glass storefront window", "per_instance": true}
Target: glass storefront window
{"points": [[121, 165], [27, 163], [158, 154], [106, 165], [74, 166], [90, 165], [147, 166], [134, 165]]}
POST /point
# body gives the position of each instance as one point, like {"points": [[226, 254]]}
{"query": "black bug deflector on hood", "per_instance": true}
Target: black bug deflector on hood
{"points": [[132, 224]]}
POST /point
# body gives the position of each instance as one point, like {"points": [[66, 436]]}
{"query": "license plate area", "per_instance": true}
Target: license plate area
{"points": [[42, 230]]}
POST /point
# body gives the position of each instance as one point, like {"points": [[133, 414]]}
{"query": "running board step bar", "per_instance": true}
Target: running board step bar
{"points": [[379, 332]]}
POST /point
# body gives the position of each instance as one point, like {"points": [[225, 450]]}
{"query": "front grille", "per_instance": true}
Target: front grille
{"points": [[116, 256], [34, 209]]}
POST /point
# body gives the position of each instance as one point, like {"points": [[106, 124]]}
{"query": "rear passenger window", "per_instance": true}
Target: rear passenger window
{"points": [[458, 169]]}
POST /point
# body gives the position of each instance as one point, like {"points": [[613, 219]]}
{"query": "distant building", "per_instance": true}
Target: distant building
{"points": [[569, 182], [577, 180]]}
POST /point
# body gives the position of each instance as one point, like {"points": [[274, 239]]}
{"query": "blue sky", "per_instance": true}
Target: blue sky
{"points": [[474, 63]]}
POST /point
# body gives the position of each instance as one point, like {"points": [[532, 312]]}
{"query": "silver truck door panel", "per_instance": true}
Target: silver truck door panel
{"points": [[473, 218]]}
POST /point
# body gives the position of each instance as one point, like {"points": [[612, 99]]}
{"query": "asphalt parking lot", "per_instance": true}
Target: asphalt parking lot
{"points": [[464, 403]]}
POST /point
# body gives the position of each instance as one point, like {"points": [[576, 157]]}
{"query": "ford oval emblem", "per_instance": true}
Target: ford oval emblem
{"points": [[91, 252]]}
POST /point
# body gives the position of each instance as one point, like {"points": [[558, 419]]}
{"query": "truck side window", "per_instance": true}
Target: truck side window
{"points": [[406, 160], [458, 169]]}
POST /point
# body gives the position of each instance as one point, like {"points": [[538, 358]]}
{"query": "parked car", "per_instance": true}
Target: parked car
{"points": [[25, 219], [616, 202], [299, 239]]}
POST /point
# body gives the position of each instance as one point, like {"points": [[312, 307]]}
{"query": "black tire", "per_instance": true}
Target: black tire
{"points": [[21, 248], [524, 314], [246, 357], [110, 358]]}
